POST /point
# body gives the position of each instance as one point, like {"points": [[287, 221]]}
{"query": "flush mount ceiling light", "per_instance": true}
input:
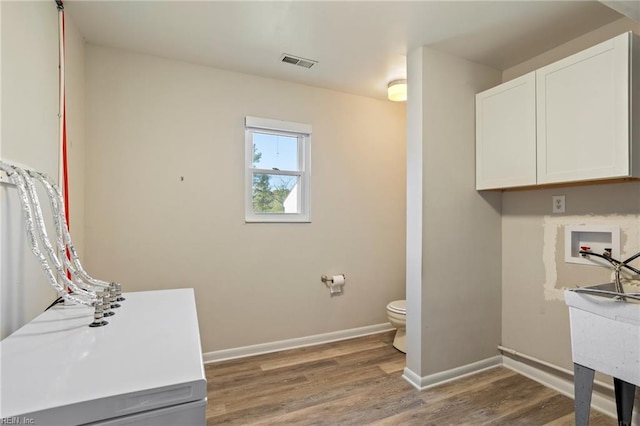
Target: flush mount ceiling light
{"points": [[397, 90]]}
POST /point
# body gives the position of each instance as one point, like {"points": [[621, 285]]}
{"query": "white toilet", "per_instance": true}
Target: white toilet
{"points": [[397, 314]]}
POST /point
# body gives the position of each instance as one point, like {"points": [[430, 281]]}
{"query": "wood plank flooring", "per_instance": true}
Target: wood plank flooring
{"points": [[358, 382]]}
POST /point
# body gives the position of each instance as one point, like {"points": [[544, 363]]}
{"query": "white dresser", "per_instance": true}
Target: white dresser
{"points": [[143, 368]]}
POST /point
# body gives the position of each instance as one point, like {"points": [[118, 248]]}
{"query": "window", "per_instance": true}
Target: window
{"points": [[277, 170]]}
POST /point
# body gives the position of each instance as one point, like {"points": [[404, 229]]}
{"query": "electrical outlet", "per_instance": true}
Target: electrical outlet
{"points": [[558, 204]]}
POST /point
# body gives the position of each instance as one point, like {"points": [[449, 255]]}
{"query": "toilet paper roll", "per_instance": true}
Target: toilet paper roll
{"points": [[338, 279]]}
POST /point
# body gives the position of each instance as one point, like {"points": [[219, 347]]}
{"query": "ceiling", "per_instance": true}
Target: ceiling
{"points": [[359, 45]]}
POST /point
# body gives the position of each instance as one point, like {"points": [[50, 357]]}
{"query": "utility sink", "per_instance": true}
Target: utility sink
{"points": [[605, 337], [605, 333]]}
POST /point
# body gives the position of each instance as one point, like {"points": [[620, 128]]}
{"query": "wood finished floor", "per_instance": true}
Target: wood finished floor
{"points": [[358, 382]]}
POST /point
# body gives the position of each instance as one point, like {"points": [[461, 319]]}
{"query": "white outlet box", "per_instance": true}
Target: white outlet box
{"points": [[558, 204], [596, 237]]}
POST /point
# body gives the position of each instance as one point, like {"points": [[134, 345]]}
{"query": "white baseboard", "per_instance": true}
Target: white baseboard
{"points": [[563, 383], [558, 381], [300, 342], [422, 383]]}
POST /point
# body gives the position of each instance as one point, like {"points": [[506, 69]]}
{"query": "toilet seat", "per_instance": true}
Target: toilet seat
{"points": [[398, 307]]}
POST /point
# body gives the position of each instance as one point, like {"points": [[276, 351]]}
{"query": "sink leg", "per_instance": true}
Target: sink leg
{"points": [[583, 387], [625, 393]]}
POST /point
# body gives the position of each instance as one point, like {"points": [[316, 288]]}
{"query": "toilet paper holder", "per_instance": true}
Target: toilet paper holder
{"points": [[334, 283], [329, 280]]}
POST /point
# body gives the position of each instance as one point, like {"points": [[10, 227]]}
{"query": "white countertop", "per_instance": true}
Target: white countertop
{"points": [[57, 370]]}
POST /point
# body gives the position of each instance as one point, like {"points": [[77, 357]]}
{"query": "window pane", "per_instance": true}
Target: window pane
{"points": [[275, 193], [275, 152]]}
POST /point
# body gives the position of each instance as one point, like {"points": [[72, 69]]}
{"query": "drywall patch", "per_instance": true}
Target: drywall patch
{"points": [[560, 275]]}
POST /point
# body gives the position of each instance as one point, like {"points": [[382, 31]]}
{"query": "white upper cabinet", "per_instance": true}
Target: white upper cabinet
{"points": [[578, 125], [506, 134], [584, 116]]}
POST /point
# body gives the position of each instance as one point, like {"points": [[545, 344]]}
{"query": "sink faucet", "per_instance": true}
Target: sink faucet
{"points": [[617, 265]]}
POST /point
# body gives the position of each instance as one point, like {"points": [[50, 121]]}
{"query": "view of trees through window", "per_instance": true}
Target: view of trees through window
{"points": [[270, 191]]}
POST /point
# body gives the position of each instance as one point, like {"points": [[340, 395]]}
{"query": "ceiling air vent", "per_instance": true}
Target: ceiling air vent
{"points": [[295, 60]]}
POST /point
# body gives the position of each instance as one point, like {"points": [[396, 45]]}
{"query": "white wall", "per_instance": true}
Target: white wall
{"points": [[416, 333], [74, 81], [29, 137], [586, 40], [534, 316], [152, 121], [456, 278]]}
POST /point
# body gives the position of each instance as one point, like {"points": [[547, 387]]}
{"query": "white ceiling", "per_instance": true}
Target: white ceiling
{"points": [[359, 45]]}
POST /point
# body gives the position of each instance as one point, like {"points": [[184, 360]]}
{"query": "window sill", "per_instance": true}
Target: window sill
{"points": [[279, 219]]}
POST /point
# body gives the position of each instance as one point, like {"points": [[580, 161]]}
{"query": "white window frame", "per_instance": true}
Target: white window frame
{"points": [[278, 127]]}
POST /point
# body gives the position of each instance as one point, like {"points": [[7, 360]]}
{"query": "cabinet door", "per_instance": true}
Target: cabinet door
{"points": [[506, 134], [583, 114]]}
